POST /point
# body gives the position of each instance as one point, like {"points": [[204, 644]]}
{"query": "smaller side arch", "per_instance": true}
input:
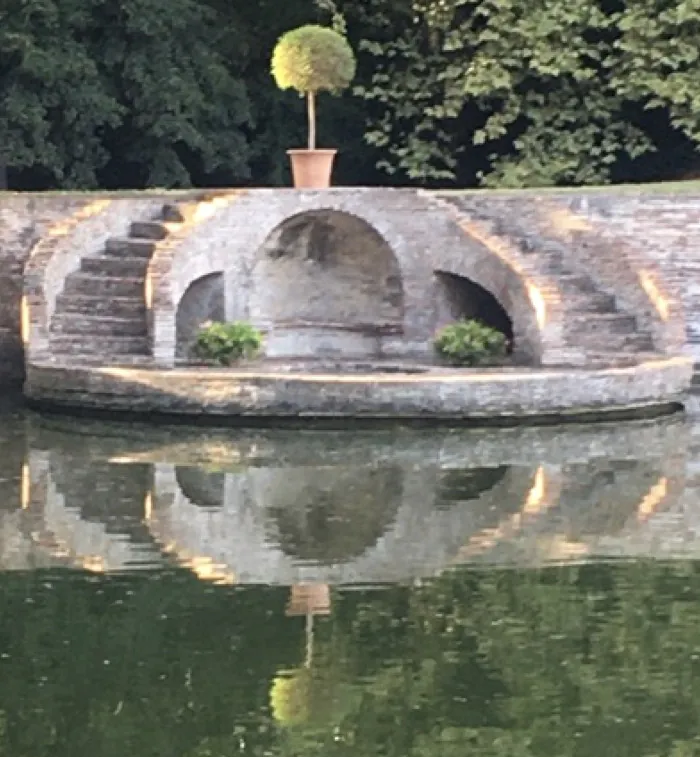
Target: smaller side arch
{"points": [[461, 298], [204, 300], [531, 299]]}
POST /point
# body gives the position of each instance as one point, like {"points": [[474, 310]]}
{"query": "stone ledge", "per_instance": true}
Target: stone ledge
{"points": [[470, 397]]}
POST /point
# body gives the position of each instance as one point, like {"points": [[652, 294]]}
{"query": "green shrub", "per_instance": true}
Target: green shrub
{"points": [[470, 342], [225, 343]]}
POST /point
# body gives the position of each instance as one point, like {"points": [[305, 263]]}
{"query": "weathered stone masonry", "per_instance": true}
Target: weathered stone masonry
{"points": [[24, 219], [34, 225], [641, 249]]}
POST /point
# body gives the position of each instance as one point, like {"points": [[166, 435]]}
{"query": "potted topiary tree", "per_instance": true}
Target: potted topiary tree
{"points": [[312, 59]]}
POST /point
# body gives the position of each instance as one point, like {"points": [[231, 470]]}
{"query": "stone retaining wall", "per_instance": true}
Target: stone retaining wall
{"points": [[477, 397], [607, 237], [661, 226], [242, 228], [24, 220], [642, 246]]}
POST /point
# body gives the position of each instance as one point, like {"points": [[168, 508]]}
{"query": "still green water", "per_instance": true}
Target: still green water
{"points": [[209, 594]]}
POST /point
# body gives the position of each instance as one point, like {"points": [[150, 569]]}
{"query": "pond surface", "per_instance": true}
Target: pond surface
{"points": [[179, 591]]}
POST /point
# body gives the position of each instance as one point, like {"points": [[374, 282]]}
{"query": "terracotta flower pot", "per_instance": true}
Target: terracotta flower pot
{"points": [[312, 169]]}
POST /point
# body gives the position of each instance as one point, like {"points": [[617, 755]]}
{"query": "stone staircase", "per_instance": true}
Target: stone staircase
{"points": [[595, 322], [101, 312]]}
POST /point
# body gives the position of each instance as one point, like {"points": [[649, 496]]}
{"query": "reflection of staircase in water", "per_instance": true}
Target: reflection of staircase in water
{"points": [[590, 511], [343, 524], [91, 516]]}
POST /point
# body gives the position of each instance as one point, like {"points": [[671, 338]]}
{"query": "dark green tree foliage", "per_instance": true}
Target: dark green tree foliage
{"points": [[183, 110], [527, 92], [95, 92], [53, 98], [658, 59], [134, 93]]}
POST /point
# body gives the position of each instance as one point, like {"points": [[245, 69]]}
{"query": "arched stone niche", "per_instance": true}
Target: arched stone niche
{"points": [[204, 300], [461, 298], [326, 283], [344, 272]]}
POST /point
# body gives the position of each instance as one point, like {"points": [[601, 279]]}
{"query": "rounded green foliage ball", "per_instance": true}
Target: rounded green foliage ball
{"points": [[313, 58], [470, 342]]}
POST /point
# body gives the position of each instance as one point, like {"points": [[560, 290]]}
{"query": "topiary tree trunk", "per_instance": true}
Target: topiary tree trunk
{"points": [[311, 110]]}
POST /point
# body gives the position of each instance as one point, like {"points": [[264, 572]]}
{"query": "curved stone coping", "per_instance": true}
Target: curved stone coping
{"points": [[485, 396]]}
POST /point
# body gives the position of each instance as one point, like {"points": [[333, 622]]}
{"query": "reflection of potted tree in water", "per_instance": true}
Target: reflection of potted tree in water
{"points": [[313, 694]]}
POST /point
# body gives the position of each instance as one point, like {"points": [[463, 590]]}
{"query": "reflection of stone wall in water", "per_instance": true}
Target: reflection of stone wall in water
{"points": [[102, 491], [329, 514], [203, 301]]}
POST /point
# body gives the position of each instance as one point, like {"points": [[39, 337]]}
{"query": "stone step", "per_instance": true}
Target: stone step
{"points": [[79, 323], [114, 307], [556, 266], [114, 267], [605, 341], [590, 302], [602, 324], [149, 230], [575, 282], [130, 247], [103, 286], [638, 343], [74, 345], [597, 359], [78, 357]]}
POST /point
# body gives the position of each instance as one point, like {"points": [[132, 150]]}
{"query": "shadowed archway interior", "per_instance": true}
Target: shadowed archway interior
{"points": [[203, 301], [461, 298], [326, 283]]}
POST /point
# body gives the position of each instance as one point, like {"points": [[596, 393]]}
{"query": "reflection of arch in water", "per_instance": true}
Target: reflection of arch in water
{"points": [[236, 538], [202, 487], [333, 515], [464, 484], [324, 514]]}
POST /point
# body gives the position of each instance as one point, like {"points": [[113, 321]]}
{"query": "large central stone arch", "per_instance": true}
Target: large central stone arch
{"points": [[327, 283], [423, 238]]}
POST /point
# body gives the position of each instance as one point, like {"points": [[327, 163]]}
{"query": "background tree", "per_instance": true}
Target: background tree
{"points": [[54, 100]]}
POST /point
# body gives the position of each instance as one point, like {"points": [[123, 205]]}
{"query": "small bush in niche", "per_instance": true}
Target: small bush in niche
{"points": [[226, 343], [470, 342]]}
